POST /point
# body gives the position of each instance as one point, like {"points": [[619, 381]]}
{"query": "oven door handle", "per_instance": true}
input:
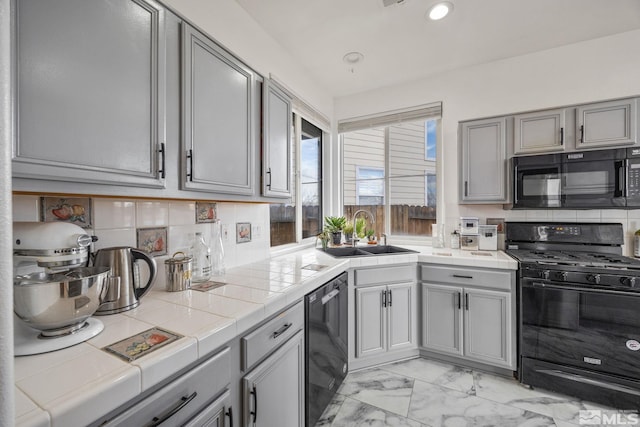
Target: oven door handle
{"points": [[540, 285], [620, 172]]}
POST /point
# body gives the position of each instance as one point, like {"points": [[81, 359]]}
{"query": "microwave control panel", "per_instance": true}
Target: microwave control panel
{"points": [[633, 178]]}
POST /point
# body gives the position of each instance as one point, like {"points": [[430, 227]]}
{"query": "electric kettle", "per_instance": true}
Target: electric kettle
{"points": [[124, 282]]}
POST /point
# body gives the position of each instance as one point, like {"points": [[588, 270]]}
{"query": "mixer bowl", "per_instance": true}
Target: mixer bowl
{"points": [[58, 303]]}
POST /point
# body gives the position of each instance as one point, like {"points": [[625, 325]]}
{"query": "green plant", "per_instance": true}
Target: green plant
{"points": [[348, 228], [334, 224], [369, 233], [360, 225]]}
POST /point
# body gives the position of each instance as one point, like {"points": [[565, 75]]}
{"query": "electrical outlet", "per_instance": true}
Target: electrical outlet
{"points": [[225, 232]]}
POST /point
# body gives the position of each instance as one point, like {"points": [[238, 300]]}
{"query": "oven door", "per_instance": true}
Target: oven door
{"points": [[537, 181], [594, 179], [586, 328]]}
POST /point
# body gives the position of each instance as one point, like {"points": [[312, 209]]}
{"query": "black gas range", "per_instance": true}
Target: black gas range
{"points": [[579, 310]]}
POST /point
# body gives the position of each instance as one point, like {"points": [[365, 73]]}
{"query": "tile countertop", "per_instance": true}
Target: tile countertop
{"points": [[70, 387]]}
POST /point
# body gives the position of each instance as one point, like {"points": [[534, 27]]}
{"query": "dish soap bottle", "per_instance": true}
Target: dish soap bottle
{"points": [[217, 250], [201, 267]]}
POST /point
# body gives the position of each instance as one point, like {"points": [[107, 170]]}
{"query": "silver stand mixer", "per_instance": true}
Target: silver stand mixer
{"points": [[55, 294]]}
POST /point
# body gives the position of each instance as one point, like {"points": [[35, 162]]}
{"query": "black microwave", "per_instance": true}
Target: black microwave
{"points": [[578, 180]]}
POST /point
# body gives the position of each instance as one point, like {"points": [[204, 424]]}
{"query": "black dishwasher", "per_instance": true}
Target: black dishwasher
{"points": [[325, 345]]}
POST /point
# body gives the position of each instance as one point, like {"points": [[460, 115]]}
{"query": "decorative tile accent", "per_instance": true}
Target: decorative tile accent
{"points": [[497, 221], [207, 286], [206, 212], [243, 232], [314, 267], [134, 347], [152, 240], [74, 210]]}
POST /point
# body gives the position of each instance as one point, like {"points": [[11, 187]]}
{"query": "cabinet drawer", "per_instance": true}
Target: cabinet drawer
{"points": [[262, 341], [496, 279], [374, 276], [181, 399]]}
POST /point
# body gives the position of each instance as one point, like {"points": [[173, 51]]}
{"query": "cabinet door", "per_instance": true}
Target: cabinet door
{"points": [[607, 124], [90, 91], [484, 165], [274, 391], [214, 414], [217, 118], [276, 150], [487, 326], [442, 318], [400, 315], [370, 321], [539, 132]]}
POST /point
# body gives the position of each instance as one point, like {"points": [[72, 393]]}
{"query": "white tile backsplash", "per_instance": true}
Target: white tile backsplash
{"points": [[115, 222], [26, 208], [111, 213], [152, 214]]}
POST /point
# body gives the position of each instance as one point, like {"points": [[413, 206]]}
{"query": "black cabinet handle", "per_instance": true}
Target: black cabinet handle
{"points": [[459, 299], [184, 401], [190, 160], [269, 175], [561, 136], [581, 134], [281, 331], [384, 299], [466, 302], [389, 297], [162, 170], [229, 414], [254, 393], [466, 188], [460, 276]]}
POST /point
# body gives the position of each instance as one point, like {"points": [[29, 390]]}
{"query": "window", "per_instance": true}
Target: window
{"points": [[390, 170], [306, 201], [369, 185]]}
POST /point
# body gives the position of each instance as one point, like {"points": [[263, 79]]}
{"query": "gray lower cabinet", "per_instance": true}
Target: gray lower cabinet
{"points": [[462, 318], [274, 390], [90, 91], [384, 318], [276, 141], [538, 132], [607, 124], [483, 162], [218, 105]]}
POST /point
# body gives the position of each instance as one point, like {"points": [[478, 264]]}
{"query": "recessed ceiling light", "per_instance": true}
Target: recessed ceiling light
{"points": [[353, 58], [439, 10]]}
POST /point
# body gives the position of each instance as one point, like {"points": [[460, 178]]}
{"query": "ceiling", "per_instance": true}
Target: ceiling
{"points": [[400, 45]]}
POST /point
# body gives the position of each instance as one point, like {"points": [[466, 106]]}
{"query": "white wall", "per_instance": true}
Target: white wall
{"points": [[7, 395], [594, 70]]}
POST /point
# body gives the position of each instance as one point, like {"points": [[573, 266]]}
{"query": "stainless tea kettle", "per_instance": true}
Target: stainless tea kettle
{"points": [[124, 282]]}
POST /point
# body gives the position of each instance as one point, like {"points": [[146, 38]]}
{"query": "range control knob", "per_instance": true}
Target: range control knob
{"points": [[628, 281], [595, 278], [564, 276], [544, 275]]}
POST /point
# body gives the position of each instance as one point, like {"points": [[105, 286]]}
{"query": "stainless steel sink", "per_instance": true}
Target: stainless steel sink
{"points": [[366, 251]]}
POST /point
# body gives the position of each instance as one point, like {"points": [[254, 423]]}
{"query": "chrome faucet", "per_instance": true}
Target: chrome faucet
{"points": [[373, 221]]}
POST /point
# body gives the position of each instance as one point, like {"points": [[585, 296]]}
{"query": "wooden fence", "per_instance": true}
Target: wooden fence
{"points": [[405, 220]]}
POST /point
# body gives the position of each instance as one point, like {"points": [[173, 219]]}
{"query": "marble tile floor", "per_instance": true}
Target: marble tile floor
{"points": [[421, 393]]}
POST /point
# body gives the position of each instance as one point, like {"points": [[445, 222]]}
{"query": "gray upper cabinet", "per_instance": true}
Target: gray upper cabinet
{"points": [[539, 132], [218, 118], [276, 140], [90, 91], [607, 124], [483, 161]]}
